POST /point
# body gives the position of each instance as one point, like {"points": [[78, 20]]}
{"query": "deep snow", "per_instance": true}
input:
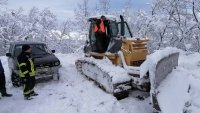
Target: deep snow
{"points": [[75, 94]]}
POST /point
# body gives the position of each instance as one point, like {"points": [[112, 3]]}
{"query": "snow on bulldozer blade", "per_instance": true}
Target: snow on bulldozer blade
{"points": [[159, 65], [113, 79]]}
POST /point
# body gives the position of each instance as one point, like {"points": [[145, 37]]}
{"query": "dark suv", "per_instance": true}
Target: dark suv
{"points": [[46, 63]]}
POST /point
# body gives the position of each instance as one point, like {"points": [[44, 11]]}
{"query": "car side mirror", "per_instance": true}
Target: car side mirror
{"points": [[8, 54], [53, 51]]}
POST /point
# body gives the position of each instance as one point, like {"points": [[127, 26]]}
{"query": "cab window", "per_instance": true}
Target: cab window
{"points": [[127, 33]]}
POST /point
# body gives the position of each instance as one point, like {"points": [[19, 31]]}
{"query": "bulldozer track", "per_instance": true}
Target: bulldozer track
{"points": [[119, 90]]}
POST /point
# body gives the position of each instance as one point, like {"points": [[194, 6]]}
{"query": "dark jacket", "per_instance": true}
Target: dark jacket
{"points": [[1, 67], [24, 63]]}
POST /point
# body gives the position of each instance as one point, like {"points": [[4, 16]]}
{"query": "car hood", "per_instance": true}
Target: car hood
{"points": [[45, 60]]}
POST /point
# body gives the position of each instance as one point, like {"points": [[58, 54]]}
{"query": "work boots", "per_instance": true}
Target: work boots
{"points": [[6, 95], [33, 94], [28, 98]]}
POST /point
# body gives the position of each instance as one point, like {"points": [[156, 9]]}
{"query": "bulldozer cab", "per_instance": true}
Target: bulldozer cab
{"points": [[114, 33]]}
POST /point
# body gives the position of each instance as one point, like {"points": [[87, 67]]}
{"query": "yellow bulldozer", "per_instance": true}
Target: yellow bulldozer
{"points": [[117, 69]]}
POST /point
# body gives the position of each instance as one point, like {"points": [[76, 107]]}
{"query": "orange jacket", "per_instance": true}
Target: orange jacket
{"points": [[102, 27]]}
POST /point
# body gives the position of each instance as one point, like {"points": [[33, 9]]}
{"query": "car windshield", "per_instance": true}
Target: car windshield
{"points": [[37, 49]]}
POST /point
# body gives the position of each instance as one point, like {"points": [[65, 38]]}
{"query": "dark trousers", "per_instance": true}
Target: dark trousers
{"points": [[101, 42], [2, 83], [29, 85]]}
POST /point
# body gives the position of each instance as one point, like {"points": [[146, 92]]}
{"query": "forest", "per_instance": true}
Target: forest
{"points": [[174, 23]]}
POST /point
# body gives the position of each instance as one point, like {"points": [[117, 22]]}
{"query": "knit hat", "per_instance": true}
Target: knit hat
{"points": [[25, 47]]}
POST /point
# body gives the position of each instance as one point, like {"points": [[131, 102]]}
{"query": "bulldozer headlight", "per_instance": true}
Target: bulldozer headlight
{"points": [[146, 37]]}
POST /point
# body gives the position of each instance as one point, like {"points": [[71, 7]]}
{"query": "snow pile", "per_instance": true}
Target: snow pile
{"points": [[173, 92], [190, 62], [194, 94]]}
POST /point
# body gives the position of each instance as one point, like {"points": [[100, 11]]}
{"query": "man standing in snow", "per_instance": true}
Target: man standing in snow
{"points": [[3, 82], [27, 72]]}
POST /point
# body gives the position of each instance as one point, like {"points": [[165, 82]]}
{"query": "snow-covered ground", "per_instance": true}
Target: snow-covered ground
{"points": [[75, 94]]}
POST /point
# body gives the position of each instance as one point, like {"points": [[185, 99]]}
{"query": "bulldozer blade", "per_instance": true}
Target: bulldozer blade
{"points": [[158, 74], [164, 67]]}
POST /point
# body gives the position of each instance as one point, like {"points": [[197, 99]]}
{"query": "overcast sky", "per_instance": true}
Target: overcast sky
{"points": [[65, 8]]}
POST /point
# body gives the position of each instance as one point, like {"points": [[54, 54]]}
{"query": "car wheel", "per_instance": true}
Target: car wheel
{"points": [[16, 81]]}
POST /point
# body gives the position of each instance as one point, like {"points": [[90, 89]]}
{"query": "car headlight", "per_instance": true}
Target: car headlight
{"points": [[57, 63]]}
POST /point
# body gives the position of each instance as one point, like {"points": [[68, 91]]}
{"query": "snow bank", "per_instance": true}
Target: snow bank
{"points": [[173, 92], [190, 62], [194, 94]]}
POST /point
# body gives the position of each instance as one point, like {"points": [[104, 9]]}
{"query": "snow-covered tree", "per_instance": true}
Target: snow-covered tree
{"points": [[81, 14], [103, 7], [3, 2], [17, 26], [34, 19], [127, 9], [179, 23], [47, 22], [12, 27]]}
